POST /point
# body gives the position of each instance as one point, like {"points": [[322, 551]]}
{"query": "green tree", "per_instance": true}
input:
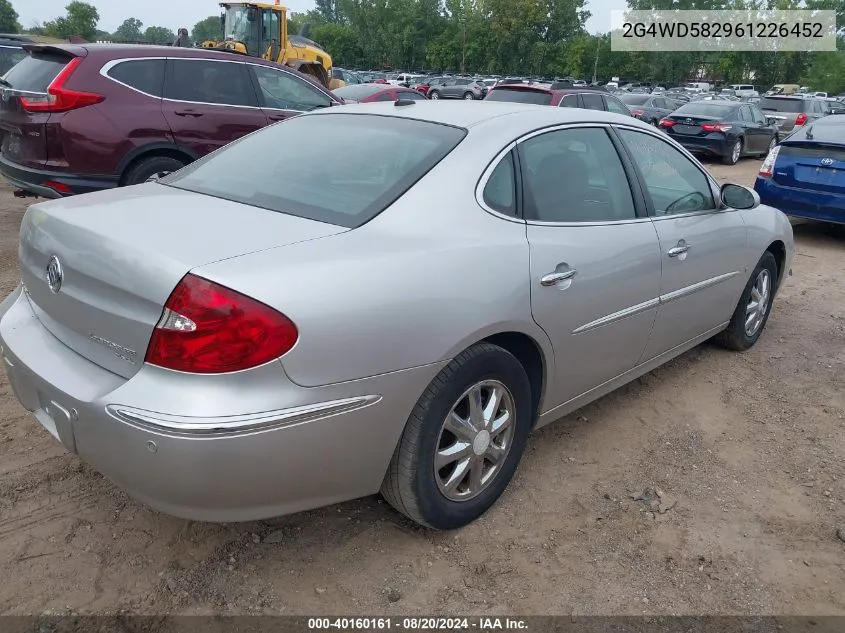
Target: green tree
{"points": [[81, 20], [129, 31], [159, 35], [207, 29], [8, 18], [827, 71]]}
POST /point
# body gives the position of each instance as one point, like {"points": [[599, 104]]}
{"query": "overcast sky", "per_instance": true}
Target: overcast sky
{"points": [[177, 13]]}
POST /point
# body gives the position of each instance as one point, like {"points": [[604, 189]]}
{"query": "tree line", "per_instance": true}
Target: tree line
{"points": [[515, 37]]}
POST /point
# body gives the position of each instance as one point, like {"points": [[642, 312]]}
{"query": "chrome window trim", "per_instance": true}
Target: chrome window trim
{"points": [[111, 64], [479, 190]]}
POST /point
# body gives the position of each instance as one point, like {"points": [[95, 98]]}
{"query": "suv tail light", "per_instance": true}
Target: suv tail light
{"points": [[715, 127], [801, 119], [666, 123], [767, 169], [59, 98], [207, 328]]}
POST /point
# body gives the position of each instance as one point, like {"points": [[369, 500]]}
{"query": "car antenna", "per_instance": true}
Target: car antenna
{"points": [[400, 102]]}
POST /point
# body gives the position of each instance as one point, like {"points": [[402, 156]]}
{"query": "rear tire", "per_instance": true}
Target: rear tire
{"points": [[418, 488], [772, 144], [739, 336], [733, 156], [468, 96], [147, 168]]}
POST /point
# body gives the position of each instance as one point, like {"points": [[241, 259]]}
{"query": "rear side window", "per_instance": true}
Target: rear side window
{"points": [[592, 101], [500, 190], [36, 72], [782, 105], [569, 101], [365, 162], [146, 75], [520, 96], [206, 81]]}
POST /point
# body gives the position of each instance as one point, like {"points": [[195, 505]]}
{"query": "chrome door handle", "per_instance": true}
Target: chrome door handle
{"points": [[552, 278], [678, 250]]}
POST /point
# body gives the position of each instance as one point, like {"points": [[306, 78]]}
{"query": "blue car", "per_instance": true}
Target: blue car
{"points": [[804, 175]]}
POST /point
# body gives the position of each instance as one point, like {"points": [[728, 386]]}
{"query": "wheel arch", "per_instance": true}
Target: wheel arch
{"points": [[171, 150], [530, 355], [778, 249]]}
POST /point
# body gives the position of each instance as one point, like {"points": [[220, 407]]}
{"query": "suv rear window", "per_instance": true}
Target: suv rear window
{"points": [[146, 75], [538, 97], [782, 105], [348, 167], [36, 72]]}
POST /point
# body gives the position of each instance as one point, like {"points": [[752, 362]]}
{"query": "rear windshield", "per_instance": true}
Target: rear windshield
{"points": [[348, 168], [520, 96], [782, 105], [634, 99], [35, 72], [696, 108], [358, 91]]}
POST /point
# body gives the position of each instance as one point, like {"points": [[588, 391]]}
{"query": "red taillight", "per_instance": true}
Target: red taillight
{"points": [[210, 329], [59, 98], [666, 123], [715, 127], [801, 119], [638, 112], [767, 169]]}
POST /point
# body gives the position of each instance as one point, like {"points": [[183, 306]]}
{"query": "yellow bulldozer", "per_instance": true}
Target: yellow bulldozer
{"points": [[261, 30]]}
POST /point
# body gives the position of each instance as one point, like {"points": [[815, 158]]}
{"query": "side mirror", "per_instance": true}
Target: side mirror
{"points": [[770, 120], [739, 197]]}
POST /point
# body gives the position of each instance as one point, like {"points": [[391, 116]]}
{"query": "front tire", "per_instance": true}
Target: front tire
{"points": [[772, 144], [463, 440], [433, 94], [752, 312]]}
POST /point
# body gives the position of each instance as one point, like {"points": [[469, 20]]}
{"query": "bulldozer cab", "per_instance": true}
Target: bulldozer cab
{"points": [[258, 27]]}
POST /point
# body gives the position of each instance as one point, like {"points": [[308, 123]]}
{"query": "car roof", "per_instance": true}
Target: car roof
{"points": [[148, 50], [522, 117]]}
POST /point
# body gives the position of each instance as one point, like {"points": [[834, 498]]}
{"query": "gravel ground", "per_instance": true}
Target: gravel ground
{"points": [[745, 449]]}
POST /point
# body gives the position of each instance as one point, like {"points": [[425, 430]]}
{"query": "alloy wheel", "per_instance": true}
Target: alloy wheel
{"points": [[475, 440], [737, 150], [758, 302]]}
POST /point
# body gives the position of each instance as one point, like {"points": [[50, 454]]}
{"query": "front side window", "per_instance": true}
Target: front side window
{"points": [[614, 105], [205, 81], [348, 167], [575, 175], [674, 183], [284, 91]]}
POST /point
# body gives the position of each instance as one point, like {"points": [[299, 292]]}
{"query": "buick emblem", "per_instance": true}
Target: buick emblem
{"points": [[54, 274], [826, 162]]}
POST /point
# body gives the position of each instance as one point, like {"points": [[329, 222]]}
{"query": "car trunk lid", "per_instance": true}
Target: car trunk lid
{"points": [[121, 252], [815, 167], [25, 133], [690, 125]]}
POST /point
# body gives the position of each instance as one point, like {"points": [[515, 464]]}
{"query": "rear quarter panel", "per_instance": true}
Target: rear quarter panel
{"points": [[427, 278], [96, 139]]}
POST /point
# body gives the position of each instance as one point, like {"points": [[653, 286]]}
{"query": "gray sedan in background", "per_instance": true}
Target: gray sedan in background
{"points": [[648, 108], [395, 310]]}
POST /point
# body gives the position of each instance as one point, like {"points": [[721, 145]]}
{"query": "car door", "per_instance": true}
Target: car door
{"points": [[594, 256], [282, 94], [615, 105], [702, 246], [456, 88], [767, 130], [209, 103], [754, 141]]}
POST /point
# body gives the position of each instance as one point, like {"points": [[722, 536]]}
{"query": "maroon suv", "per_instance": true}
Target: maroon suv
{"points": [[79, 118]]}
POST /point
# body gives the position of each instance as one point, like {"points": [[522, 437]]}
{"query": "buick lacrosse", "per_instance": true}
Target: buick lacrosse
{"points": [[394, 310]]}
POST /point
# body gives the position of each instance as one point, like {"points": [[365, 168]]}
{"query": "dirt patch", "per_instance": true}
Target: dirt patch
{"points": [[748, 447]]}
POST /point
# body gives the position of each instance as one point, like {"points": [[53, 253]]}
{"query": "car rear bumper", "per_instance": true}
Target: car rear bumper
{"points": [[802, 203], [32, 180], [714, 144], [260, 448]]}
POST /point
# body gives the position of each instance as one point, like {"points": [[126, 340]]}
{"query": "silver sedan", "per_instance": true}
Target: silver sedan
{"points": [[393, 307]]}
